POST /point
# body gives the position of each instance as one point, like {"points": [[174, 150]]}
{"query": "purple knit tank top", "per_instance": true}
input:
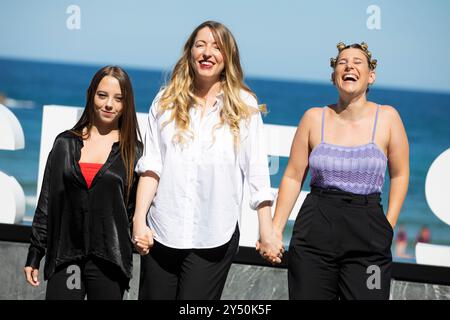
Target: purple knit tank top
{"points": [[358, 169]]}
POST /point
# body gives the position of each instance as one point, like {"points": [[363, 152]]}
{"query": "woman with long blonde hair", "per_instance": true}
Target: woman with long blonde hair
{"points": [[204, 136]]}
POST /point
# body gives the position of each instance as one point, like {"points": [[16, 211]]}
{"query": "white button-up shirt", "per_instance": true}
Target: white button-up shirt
{"points": [[199, 197]]}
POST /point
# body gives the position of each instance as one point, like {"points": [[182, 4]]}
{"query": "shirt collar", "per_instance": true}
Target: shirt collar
{"points": [[218, 103]]}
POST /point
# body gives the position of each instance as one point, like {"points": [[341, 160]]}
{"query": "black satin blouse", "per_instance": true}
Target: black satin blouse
{"points": [[72, 222]]}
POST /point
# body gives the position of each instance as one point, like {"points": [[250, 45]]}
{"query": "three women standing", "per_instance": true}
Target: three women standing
{"points": [[204, 137]]}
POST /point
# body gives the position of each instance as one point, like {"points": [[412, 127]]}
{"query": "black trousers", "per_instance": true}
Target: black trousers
{"points": [[340, 248], [186, 274], [92, 277]]}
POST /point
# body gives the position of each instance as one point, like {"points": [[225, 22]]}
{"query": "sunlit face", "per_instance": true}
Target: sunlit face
{"points": [[352, 74], [207, 59], [108, 101]]}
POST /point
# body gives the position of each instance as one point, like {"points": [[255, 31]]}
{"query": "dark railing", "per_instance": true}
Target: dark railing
{"points": [[400, 270]]}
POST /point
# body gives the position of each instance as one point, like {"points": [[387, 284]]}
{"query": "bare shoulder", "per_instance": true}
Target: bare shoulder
{"points": [[390, 114], [312, 116], [388, 110]]}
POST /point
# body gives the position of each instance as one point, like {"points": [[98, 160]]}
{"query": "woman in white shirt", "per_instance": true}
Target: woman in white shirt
{"points": [[204, 136]]}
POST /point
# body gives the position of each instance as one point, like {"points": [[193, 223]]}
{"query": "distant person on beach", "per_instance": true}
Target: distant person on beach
{"points": [[84, 212], [401, 242], [2, 98], [204, 135], [424, 235], [341, 236]]}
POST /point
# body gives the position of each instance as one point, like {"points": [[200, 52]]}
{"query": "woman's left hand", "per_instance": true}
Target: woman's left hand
{"points": [[270, 248], [142, 238]]}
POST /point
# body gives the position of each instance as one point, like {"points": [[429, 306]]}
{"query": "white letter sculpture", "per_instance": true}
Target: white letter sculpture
{"points": [[12, 197]]}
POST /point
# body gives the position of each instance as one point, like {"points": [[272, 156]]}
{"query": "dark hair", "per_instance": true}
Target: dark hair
{"points": [[129, 135]]}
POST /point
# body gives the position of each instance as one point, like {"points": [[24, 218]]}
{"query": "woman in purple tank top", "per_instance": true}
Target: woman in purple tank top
{"points": [[340, 246]]}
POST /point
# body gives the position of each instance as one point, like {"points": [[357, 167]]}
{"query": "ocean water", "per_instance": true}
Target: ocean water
{"points": [[26, 86]]}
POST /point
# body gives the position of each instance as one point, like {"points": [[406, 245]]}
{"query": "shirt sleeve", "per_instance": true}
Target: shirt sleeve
{"points": [[151, 159], [38, 240], [254, 162]]}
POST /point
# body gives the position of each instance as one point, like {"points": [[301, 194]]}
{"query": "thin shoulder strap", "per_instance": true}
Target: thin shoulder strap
{"points": [[323, 122], [375, 124]]}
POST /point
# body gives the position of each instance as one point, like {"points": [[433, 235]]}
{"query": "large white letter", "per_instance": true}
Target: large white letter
{"points": [[437, 188], [12, 197]]}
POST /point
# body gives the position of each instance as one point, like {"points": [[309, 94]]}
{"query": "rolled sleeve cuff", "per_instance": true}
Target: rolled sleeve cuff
{"points": [[34, 258], [261, 196], [148, 164]]}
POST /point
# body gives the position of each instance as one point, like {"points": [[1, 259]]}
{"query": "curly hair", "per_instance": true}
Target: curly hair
{"points": [[361, 46]]}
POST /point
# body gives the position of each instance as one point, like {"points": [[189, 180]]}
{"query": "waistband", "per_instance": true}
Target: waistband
{"points": [[349, 197]]}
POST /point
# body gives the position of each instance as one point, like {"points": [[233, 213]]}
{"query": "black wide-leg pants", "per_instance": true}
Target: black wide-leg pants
{"points": [[186, 274], [340, 248]]}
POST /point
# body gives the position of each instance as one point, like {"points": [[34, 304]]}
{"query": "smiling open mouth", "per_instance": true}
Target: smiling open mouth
{"points": [[350, 77], [206, 63]]}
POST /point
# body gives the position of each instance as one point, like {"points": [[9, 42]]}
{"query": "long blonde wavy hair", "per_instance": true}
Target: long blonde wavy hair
{"points": [[179, 95]]}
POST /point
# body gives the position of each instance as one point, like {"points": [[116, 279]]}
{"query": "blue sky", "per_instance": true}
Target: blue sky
{"points": [[284, 39]]}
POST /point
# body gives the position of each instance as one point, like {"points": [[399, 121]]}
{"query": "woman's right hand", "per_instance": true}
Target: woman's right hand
{"points": [[142, 238], [31, 275]]}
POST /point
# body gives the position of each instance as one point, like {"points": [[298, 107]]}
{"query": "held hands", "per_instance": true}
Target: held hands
{"points": [[31, 274], [271, 247], [142, 238]]}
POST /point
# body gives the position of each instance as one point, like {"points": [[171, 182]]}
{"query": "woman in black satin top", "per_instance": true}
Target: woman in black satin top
{"points": [[83, 217]]}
